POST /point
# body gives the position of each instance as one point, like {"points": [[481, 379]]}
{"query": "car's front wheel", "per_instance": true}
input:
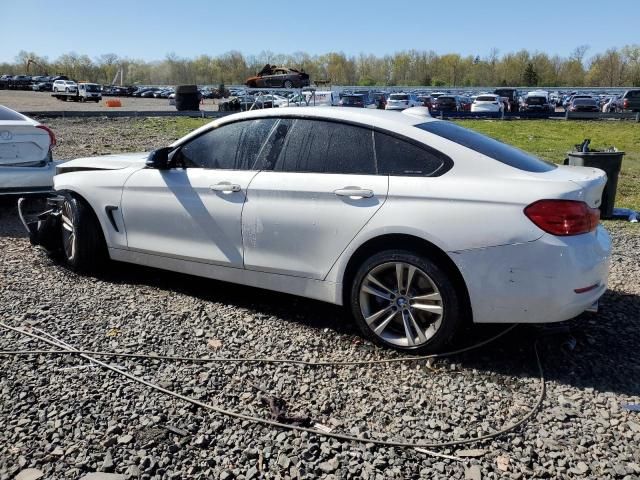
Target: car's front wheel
{"points": [[405, 301], [288, 84], [84, 248]]}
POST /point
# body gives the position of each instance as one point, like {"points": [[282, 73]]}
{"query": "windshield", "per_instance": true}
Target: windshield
{"points": [[92, 87], [499, 151], [399, 96], [504, 93]]}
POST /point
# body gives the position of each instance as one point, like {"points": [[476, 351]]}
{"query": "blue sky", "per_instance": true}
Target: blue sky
{"points": [[151, 29]]}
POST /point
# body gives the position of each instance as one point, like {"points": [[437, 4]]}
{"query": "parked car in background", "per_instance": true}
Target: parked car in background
{"points": [[629, 101], [400, 101], [487, 103], [447, 103], [465, 103], [353, 100], [537, 101], [512, 95], [44, 86], [609, 104], [90, 92], [234, 199], [271, 76], [67, 86], [427, 100], [584, 105], [26, 164]]}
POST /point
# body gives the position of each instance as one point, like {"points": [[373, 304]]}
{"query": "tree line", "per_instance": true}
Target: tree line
{"points": [[612, 68]]}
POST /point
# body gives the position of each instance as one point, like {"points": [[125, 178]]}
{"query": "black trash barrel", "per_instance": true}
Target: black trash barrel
{"points": [[610, 162], [187, 98]]}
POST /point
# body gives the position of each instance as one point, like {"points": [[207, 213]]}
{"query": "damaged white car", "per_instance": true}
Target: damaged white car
{"points": [[415, 225]]}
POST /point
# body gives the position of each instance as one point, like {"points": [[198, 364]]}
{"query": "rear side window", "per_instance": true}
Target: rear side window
{"points": [[499, 151], [401, 158], [633, 94], [230, 147], [7, 114], [326, 147]]}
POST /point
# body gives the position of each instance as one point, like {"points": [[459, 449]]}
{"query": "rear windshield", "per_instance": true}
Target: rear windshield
{"points": [[633, 94], [446, 99], [6, 114], [499, 151], [504, 93], [584, 101], [351, 100], [536, 100], [397, 96], [486, 99]]}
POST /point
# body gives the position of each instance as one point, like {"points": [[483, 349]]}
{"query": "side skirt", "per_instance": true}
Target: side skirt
{"points": [[305, 287]]}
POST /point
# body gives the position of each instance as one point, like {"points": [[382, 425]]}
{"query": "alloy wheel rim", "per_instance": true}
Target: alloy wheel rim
{"points": [[68, 231], [401, 304]]}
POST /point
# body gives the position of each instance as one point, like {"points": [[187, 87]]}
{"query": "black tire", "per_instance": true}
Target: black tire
{"points": [[84, 249], [287, 84], [450, 300]]}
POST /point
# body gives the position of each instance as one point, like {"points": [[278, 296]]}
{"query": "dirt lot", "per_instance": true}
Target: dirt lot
{"points": [[25, 101], [66, 417]]}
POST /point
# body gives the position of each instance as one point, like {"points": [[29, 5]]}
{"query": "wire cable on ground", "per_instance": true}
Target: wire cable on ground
{"points": [[423, 447], [310, 363]]}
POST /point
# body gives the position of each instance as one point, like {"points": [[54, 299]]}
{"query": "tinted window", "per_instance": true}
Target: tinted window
{"points": [[486, 99], [6, 114], [230, 147], [499, 151], [633, 94], [326, 147], [399, 157]]}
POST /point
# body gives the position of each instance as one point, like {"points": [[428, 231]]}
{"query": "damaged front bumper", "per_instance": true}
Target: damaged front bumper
{"points": [[41, 216]]}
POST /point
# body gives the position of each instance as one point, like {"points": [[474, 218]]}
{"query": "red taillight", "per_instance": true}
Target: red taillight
{"points": [[52, 136], [625, 104], [563, 217]]}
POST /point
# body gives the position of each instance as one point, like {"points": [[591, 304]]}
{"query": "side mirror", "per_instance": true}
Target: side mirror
{"points": [[159, 158]]}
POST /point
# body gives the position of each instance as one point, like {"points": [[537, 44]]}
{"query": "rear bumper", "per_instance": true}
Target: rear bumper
{"points": [[534, 282]]}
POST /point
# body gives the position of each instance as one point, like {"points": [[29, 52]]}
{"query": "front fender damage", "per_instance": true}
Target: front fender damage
{"points": [[43, 222]]}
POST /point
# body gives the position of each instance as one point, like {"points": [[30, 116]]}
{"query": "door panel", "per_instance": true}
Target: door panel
{"points": [[295, 223], [191, 213]]}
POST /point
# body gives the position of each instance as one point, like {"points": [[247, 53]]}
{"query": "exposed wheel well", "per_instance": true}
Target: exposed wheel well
{"points": [[95, 215], [411, 243]]}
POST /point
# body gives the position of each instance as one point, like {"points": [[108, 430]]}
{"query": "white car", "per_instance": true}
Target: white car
{"points": [[25, 154], [67, 86], [487, 102], [400, 101], [276, 100], [415, 225]]}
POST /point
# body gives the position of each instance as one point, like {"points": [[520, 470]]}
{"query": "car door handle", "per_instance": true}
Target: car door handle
{"points": [[354, 192], [225, 187]]}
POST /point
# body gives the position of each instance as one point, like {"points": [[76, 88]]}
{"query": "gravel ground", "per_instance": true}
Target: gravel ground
{"points": [[66, 417], [26, 101]]}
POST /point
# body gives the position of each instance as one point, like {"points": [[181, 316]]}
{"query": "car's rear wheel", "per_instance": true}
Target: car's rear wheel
{"points": [[83, 246], [405, 301]]}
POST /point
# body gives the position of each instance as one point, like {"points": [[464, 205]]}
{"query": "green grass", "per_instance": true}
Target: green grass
{"points": [[551, 139]]}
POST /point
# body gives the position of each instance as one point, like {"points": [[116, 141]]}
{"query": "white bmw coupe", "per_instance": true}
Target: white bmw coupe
{"points": [[415, 225]]}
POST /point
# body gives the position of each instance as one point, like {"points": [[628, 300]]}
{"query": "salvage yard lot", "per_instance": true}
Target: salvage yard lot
{"points": [[66, 417]]}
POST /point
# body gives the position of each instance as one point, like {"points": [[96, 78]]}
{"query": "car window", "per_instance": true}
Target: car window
{"points": [[7, 114], [499, 151], [633, 94], [230, 147], [327, 147], [400, 158]]}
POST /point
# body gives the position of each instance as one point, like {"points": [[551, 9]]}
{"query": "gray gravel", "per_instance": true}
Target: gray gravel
{"points": [[66, 418]]}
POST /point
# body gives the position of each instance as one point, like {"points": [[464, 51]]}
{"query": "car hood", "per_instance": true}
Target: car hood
{"points": [[104, 162]]}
